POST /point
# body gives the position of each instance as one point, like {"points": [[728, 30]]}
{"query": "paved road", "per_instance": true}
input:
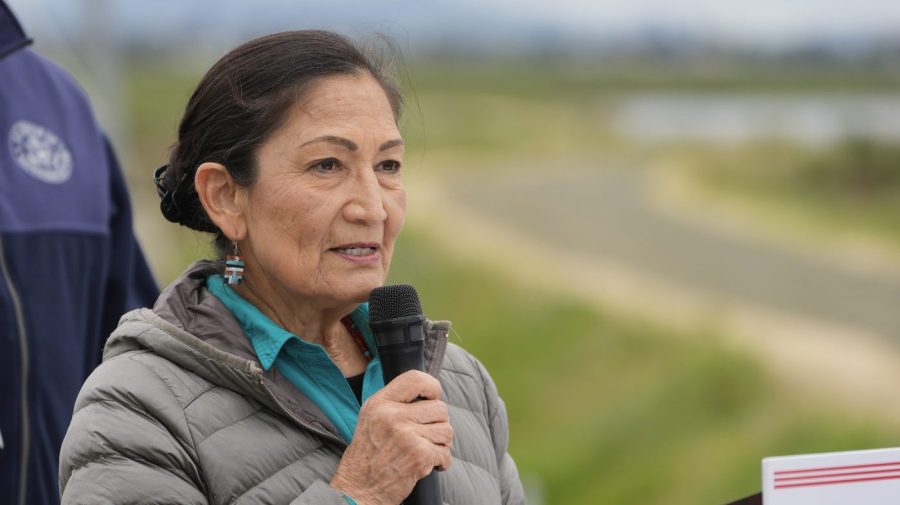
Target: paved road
{"points": [[607, 213]]}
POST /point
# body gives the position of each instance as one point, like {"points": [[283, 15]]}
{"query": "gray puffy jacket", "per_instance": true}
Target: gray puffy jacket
{"points": [[180, 411]]}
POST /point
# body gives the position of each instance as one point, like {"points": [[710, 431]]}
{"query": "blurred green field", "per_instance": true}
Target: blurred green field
{"points": [[610, 410], [850, 187], [603, 409]]}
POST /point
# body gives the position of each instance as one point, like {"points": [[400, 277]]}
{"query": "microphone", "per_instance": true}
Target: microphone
{"points": [[396, 319]]}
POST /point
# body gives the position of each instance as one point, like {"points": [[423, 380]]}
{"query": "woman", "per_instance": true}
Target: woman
{"points": [[244, 382]]}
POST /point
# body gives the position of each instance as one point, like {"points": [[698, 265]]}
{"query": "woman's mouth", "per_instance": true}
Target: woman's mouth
{"points": [[356, 251]]}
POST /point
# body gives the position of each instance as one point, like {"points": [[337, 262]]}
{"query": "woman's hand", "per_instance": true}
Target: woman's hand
{"points": [[398, 440]]}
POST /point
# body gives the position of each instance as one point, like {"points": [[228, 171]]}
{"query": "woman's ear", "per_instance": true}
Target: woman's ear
{"points": [[222, 198]]}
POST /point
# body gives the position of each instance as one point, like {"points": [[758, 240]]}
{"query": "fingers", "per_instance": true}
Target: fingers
{"points": [[428, 457], [442, 458], [390, 415], [436, 440], [427, 412], [403, 433], [430, 421], [411, 385], [438, 434], [420, 430]]}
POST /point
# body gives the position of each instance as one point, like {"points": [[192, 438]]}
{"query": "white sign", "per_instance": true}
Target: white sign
{"points": [[838, 478]]}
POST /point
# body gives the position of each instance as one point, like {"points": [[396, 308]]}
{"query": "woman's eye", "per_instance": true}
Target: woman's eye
{"points": [[329, 165], [390, 166]]}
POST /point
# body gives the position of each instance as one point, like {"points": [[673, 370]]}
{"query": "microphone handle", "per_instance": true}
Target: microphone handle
{"points": [[396, 359], [399, 358]]}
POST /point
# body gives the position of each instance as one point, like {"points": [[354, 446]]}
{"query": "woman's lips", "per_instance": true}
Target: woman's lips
{"points": [[357, 253]]}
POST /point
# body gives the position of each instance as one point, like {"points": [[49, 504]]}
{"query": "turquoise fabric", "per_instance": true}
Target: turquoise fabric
{"points": [[306, 365]]}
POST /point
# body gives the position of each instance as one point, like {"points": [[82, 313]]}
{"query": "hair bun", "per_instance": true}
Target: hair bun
{"points": [[167, 203], [170, 210]]}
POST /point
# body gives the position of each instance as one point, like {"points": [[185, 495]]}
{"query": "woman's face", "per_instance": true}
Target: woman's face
{"points": [[328, 202]]}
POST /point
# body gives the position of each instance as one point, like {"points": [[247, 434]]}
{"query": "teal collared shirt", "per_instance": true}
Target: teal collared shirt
{"points": [[306, 365]]}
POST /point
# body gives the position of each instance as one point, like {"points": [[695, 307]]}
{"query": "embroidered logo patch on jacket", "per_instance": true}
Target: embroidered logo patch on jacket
{"points": [[40, 152]]}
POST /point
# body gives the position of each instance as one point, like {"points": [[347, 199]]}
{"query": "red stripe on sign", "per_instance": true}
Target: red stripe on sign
{"points": [[832, 468], [839, 474], [839, 481]]}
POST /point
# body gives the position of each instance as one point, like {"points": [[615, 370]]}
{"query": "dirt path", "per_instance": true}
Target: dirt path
{"points": [[824, 329]]}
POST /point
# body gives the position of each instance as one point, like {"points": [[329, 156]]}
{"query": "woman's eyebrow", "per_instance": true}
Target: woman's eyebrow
{"points": [[349, 144], [341, 141], [390, 143]]}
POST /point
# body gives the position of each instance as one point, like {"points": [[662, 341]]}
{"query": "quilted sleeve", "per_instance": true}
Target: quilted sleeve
{"points": [[128, 445], [510, 484]]}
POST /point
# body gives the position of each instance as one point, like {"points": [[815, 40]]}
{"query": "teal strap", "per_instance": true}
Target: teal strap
{"points": [[349, 500]]}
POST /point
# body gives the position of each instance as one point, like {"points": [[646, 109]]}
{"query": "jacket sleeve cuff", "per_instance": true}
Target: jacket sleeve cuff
{"points": [[320, 493]]}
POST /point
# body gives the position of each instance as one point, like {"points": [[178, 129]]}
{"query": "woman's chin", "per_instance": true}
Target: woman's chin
{"points": [[358, 288]]}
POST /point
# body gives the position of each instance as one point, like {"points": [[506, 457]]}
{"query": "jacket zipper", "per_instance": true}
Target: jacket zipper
{"points": [[290, 413], [23, 352]]}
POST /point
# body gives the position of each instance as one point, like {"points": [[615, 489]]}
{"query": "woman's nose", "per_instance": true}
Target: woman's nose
{"points": [[366, 203]]}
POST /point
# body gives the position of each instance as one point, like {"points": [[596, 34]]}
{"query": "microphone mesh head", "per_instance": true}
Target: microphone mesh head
{"points": [[390, 302]]}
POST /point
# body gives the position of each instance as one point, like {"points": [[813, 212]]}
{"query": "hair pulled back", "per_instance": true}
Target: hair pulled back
{"points": [[241, 101]]}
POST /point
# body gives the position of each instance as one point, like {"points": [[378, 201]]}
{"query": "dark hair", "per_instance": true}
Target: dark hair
{"points": [[242, 100]]}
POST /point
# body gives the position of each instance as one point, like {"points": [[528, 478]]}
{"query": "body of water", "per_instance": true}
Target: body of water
{"points": [[720, 118]]}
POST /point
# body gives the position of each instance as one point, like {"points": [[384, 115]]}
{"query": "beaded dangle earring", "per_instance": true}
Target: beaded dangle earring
{"points": [[234, 267]]}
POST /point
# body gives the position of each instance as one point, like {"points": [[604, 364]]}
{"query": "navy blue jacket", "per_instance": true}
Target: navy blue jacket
{"points": [[69, 262]]}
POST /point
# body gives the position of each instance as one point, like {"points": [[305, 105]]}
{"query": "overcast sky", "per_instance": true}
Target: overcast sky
{"points": [[772, 23]]}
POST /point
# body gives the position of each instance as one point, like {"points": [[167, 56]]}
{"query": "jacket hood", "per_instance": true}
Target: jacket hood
{"points": [[187, 315], [190, 327]]}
